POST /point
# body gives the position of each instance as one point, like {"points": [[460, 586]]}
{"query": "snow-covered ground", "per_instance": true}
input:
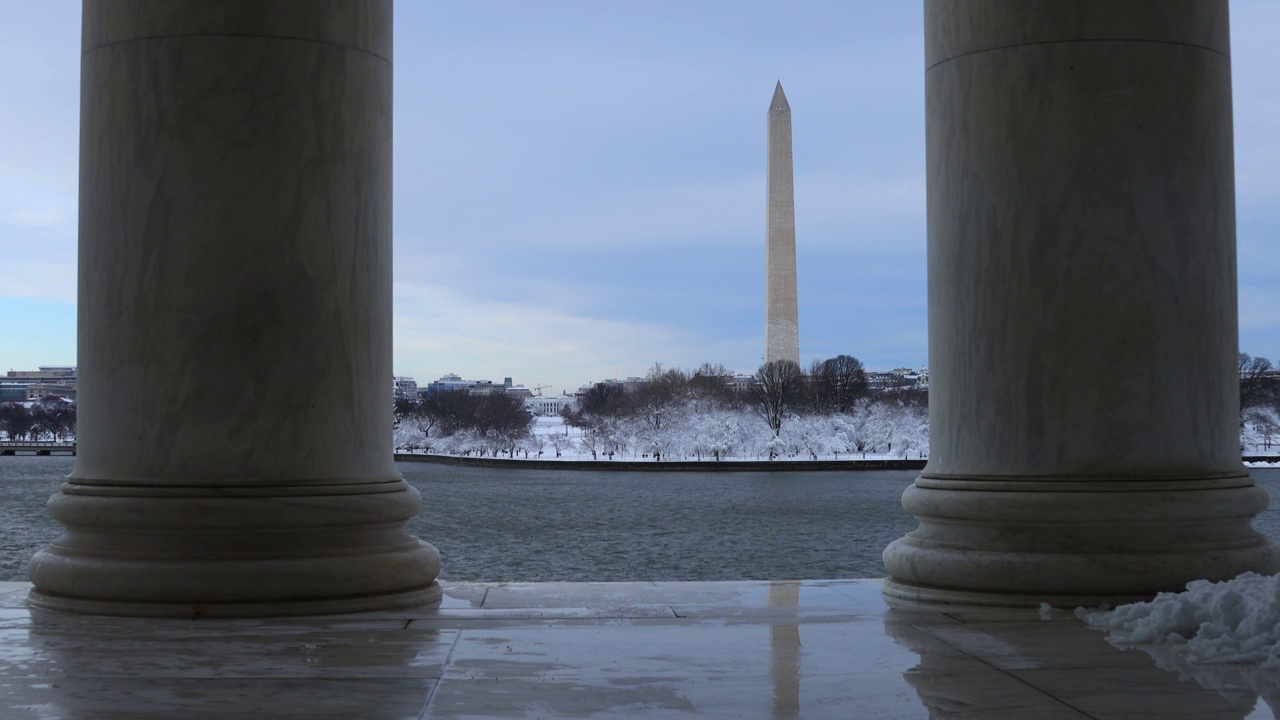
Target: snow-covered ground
{"points": [[877, 431], [1260, 431]]}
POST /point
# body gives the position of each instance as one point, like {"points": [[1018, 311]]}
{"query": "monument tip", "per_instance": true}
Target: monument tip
{"points": [[779, 99]]}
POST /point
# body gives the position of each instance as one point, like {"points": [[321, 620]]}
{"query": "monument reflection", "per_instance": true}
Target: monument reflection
{"points": [[784, 654]]}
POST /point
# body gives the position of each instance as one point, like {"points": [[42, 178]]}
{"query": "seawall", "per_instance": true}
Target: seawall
{"points": [[694, 465], [667, 466]]}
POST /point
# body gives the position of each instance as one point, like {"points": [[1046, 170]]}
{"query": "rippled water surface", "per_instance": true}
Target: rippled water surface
{"points": [[559, 525]]}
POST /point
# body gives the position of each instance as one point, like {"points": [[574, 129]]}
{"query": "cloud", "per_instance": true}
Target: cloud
{"points": [[1256, 101], [440, 328], [1259, 310], [830, 208], [39, 280], [37, 241]]}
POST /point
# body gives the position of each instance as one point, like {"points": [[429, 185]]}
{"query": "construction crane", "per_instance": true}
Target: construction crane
{"points": [[537, 389]]}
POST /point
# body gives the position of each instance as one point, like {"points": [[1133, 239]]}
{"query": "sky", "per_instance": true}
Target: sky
{"points": [[580, 185]]}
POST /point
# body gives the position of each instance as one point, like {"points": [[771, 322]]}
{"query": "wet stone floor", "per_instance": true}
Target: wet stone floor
{"points": [[809, 649]]}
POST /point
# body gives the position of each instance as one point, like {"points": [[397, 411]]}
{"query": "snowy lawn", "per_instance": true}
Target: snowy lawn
{"points": [[875, 432]]}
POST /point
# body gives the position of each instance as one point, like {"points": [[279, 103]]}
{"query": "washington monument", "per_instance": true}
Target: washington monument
{"points": [[781, 313]]}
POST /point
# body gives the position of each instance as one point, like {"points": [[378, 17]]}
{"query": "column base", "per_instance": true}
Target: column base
{"points": [[1069, 543], [234, 551], [904, 596], [422, 597]]}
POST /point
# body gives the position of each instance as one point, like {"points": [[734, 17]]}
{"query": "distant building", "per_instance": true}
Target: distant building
{"points": [[49, 380], [550, 406], [486, 387], [454, 383], [448, 383], [631, 384], [519, 392], [40, 391], [404, 388], [898, 378]]}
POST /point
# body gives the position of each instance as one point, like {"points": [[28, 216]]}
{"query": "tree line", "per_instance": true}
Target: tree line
{"points": [[652, 415], [779, 390], [701, 412], [499, 422], [38, 422]]}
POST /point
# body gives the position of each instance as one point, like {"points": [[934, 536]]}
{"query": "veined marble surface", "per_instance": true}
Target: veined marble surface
{"points": [[787, 649]]}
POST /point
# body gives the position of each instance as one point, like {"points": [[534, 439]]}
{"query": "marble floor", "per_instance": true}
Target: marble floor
{"points": [[811, 649]]}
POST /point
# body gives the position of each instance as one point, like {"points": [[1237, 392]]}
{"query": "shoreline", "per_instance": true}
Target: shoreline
{"points": [[1254, 461], [666, 466]]}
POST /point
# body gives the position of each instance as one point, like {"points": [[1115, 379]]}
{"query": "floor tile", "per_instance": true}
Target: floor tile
{"points": [[114, 698], [699, 648], [206, 652], [1026, 646], [464, 595], [632, 612], [16, 598], [798, 600], [983, 693], [570, 595], [622, 650], [1138, 693]]}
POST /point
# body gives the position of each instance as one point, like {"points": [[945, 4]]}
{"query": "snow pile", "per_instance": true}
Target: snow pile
{"points": [[1235, 621]]}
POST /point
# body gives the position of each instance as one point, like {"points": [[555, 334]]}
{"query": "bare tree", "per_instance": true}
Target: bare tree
{"points": [[1257, 386], [835, 385], [500, 417], [1264, 426], [711, 383], [590, 442], [559, 441], [845, 380], [778, 387], [662, 391], [817, 390], [601, 400], [16, 421], [448, 411]]}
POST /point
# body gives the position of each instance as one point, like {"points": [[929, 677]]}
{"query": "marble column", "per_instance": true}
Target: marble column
{"points": [[235, 318], [1082, 307]]}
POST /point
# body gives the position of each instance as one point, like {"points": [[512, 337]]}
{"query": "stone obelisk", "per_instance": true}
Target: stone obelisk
{"points": [[781, 313]]}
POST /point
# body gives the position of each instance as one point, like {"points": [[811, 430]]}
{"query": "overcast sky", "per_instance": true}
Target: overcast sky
{"points": [[579, 186]]}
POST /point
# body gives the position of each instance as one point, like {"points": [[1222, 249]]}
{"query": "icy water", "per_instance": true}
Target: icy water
{"points": [[571, 526]]}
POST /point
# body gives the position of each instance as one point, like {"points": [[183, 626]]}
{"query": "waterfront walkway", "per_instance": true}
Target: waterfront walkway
{"points": [[812, 649]]}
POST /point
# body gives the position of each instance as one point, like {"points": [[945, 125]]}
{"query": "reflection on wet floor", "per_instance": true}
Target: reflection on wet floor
{"points": [[812, 649], [784, 654]]}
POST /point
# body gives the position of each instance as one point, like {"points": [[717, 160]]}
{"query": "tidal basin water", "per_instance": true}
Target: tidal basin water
{"points": [[538, 525]]}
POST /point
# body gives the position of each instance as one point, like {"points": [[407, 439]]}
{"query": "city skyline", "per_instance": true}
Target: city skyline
{"points": [[567, 221]]}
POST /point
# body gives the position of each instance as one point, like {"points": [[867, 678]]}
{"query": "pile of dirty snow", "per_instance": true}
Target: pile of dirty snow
{"points": [[1235, 621]]}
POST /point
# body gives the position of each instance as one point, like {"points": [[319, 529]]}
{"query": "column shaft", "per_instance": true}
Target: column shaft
{"points": [[235, 317], [1082, 306]]}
